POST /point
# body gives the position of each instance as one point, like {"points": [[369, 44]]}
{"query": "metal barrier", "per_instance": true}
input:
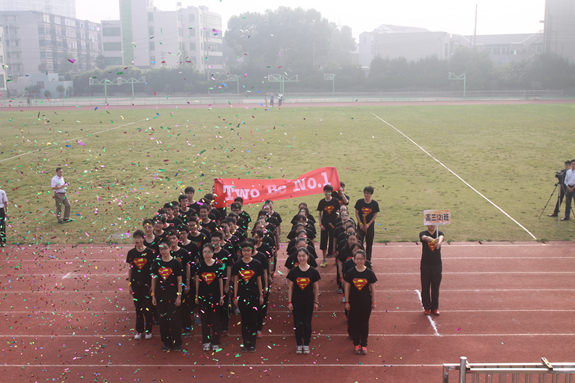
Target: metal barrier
{"points": [[543, 372]]}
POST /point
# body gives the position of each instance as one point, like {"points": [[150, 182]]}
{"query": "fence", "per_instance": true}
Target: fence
{"points": [[293, 98], [543, 372]]}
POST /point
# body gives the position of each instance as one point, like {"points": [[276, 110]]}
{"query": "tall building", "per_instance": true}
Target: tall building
{"points": [[65, 8], [560, 28], [112, 42], [38, 42], [152, 38]]}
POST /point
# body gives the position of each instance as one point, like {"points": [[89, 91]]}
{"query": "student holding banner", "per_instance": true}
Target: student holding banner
{"points": [[431, 268]]}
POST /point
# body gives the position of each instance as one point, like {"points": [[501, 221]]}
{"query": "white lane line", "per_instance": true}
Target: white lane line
{"points": [[455, 174], [428, 316], [69, 140], [66, 276]]}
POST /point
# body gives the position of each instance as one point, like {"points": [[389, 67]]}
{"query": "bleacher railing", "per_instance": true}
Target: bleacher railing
{"points": [[543, 372]]}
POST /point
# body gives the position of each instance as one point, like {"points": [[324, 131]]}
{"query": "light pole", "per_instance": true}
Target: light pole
{"points": [[330, 77], [452, 76]]}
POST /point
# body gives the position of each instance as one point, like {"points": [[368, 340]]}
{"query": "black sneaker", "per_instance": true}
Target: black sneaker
{"points": [[252, 349], [166, 348], [243, 349], [60, 221], [177, 348]]}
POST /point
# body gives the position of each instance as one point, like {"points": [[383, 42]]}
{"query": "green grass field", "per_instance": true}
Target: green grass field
{"points": [[133, 161]]}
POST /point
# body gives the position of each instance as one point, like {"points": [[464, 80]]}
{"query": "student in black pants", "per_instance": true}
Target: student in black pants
{"points": [[359, 300], [303, 289], [248, 294], [431, 269], [167, 296]]}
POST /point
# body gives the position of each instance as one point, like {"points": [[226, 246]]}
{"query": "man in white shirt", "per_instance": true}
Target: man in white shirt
{"points": [[3, 217], [59, 187], [570, 183]]}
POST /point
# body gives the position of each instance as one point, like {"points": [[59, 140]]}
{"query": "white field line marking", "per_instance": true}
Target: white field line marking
{"points": [[428, 316], [66, 276], [69, 140], [314, 336], [452, 172]]}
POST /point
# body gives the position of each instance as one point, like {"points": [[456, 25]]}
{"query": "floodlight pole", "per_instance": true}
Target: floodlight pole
{"points": [[236, 78], [452, 76], [135, 81], [105, 82], [282, 79]]}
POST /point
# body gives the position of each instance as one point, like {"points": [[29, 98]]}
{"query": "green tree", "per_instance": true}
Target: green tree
{"points": [[61, 89], [101, 61], [477, 66]]}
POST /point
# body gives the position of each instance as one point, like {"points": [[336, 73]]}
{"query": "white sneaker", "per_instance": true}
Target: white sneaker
{"points": [[306, 350], [138, 336], [216, 347], [299, 350], [148, 335], [207, 346]]}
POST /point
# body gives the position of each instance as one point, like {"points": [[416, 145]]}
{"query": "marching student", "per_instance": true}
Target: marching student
{"points": [[366, 210], [210, 298], [225, 261], [328, 208], [359, 301], [167, 296], [140, 259], [248, 294], [303, 290], [431, 268], [188, 270]]}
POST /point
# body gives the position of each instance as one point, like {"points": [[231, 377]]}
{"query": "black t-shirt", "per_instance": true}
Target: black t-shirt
{"points": [[141, 265], [339, 198], [232, 249], [266, 250], [329, 211], [193, 250], [200, 240], [194, 208], [277, 217], [344, 254], [210, 226], [430, 256], [302, 291], [359, 291], [261, 258], [167, 274], [246, 217], [209, 287], [349, 264], [174, 223], [182, 256], [292, 262], [154, 245], [366, 209], [248, 274], [223, 258]]}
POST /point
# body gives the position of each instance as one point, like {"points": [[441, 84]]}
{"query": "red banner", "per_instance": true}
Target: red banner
{"points": [[256, 190]]}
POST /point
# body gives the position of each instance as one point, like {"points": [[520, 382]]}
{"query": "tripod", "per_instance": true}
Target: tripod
{"points": [[558, 202]]}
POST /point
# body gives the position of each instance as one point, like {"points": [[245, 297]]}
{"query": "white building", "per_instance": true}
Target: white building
{"points": [[2, 63], [65, 8], [153, 38], [560, 28], [112, 42]]}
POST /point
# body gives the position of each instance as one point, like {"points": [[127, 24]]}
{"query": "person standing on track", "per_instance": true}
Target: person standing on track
{"points": [[431, 269], [366, 210], [59, 187], [570, 183], [3, 217], [359, 301], [328, 208], [140, 259], [303, 291]]}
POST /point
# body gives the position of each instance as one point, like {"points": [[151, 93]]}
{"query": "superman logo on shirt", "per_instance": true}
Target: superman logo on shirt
{"points": [[302, 282], [359, 283], [208, 277], [431, 245], [165, 272], [247, 275], [366, 211], [328, 209], [140, 262]]}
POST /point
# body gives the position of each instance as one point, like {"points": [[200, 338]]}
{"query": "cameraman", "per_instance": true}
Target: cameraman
{"points": [[560, 175], [570, 182]]}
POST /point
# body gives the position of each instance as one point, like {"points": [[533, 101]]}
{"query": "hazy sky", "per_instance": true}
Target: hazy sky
{"points": [[454, 16]]}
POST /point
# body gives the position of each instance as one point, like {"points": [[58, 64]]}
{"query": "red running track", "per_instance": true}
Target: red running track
{"points": [[68, 317]]}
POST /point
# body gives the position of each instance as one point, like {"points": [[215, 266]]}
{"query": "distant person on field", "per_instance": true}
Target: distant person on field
{"points": [[562, 188], [570, 182], [280, 99], [431, 269], [272, 100], [59, 188]]}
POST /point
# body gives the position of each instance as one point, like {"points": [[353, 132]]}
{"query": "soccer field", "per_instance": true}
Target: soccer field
{"points": [[124, 164]]}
